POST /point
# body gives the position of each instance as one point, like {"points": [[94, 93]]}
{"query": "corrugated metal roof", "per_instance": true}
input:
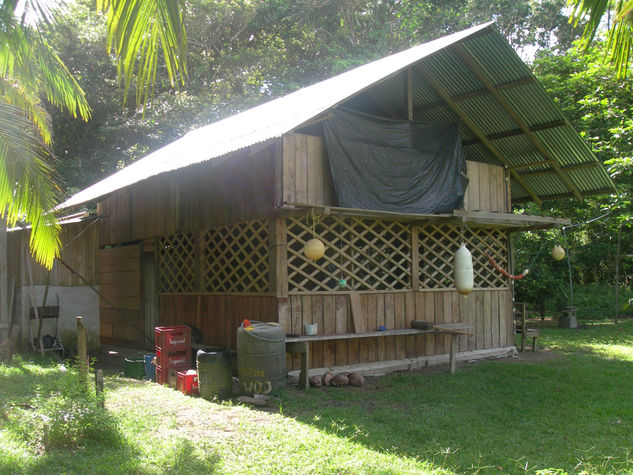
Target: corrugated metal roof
{"points": [[383, 78]]}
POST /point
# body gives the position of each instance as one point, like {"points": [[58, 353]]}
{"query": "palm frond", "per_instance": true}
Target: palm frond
{"points": [[14, 93], [27, 190], [28, 59], [619, 40], [135, 29]]}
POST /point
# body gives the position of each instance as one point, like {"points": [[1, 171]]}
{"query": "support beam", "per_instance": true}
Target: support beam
{"points": [[475, 130], [478, 93], [515, 132], [571, 168], [601, 191], [506, 106]]}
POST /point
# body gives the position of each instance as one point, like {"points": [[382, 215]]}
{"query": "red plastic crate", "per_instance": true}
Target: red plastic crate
{"points": [[173, 359], [168, 376], [188, 381], [177, 337]]}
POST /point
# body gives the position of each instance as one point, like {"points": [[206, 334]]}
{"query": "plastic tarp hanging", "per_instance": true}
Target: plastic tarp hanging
{"points": [[392, 165]]}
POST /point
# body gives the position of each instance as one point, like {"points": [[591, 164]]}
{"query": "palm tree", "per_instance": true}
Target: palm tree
{"points": [[32, 75], [620, 29]]}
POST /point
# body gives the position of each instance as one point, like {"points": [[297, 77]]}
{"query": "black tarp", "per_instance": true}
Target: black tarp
{"points": [[392, 165]]}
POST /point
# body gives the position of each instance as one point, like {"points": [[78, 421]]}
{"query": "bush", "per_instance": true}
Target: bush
{"points": [[65, 414]]}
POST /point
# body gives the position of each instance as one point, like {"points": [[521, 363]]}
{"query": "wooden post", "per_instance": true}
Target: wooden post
{"points": [[99, 387], [82, 350], [617, 276], [453, 351]]}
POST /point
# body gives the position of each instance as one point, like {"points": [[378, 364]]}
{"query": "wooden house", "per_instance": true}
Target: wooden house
{"points": [[210, 229]]}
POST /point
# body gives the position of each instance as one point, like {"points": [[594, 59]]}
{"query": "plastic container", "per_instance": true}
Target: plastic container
{"points": [[215, 378], [168, 376], [134, 368], [177, 337], [171, 359], [261, 358], [150, 368], [188, 381]]}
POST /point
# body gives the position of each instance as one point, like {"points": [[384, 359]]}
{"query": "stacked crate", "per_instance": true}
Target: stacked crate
{"points": [[173, 353]]}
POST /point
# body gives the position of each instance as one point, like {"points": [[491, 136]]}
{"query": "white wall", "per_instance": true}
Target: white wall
{"points": [[73, 301]]}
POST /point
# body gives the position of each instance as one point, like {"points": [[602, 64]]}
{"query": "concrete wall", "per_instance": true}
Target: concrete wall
{"points": [[73, 301]]}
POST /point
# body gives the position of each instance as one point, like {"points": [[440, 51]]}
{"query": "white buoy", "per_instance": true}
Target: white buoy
{"points": [[464, 276]]}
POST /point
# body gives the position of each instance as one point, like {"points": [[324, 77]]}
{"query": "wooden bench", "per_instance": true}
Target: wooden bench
{"points": [[301, 344], [521, 326]]}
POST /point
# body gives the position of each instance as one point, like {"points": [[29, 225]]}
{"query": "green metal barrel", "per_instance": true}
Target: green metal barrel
{"points": [[261, 358], [214, 373]]}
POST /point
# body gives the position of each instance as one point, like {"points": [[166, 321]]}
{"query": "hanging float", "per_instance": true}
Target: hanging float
{"points": [[314, 249], [558, 253], [464, 275]]}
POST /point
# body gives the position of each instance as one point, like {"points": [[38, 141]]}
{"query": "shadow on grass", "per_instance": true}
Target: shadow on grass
{"points": [[566, 413]]}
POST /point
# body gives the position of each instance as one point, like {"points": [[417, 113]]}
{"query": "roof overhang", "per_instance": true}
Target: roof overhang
{"points": [[511, 222], [473, 77]]}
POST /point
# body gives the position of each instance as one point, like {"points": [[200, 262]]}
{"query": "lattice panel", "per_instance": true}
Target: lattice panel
{"points": [[368, 254], [438, 244], [235, 258], [177, 263]]}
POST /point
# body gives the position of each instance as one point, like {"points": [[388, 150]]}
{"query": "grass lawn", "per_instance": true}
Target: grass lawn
{"points": [[566, 412]]}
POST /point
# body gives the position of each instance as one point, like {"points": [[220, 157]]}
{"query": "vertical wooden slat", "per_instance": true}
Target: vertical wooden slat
{"points": [[390, 323], [429, 315], [487, 319], [484, 187], [409, 311], [494, 317], [353, 351], [479, 319], [363, 344], [341, 327], [399, 310], [317, 317], [372, 319], [448, 316], [439, 318], [380, 321], [474, 200], [358, 317], [315, 169], [301, 169]]}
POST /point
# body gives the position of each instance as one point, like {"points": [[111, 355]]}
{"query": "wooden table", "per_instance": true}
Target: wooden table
{"points": [[301, 344]]}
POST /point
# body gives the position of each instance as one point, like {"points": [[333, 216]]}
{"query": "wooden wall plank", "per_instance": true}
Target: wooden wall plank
{"points": [[380, 321], [399, 310], [439, 318], [372, 326], [487, 319], [390, 323], [289, 195], [358, 317], [494, 318]]}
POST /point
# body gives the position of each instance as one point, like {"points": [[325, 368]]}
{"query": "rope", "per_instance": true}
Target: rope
{"points": [[514, 276]]}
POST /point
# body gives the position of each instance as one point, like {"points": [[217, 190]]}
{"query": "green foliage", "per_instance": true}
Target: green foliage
{"points": [[620, 28], [62, 413]]}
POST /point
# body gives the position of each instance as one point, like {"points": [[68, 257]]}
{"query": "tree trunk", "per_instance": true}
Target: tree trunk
{"points": [[4, 288]]}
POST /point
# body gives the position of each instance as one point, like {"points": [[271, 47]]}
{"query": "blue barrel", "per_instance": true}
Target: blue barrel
{"points": [[150, 368], [261, 358]]}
